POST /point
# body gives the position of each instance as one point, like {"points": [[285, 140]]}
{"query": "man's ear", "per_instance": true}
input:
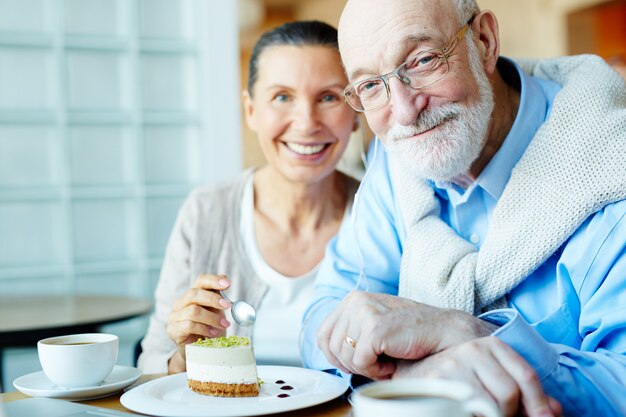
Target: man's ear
{"points": [[485, 28], [248, 109]]}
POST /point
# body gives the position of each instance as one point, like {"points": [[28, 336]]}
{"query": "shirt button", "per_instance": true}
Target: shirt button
{"points": [[474, 238]]}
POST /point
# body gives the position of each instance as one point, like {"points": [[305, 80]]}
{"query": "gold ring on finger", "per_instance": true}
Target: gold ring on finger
{"points": [[351, 342]]}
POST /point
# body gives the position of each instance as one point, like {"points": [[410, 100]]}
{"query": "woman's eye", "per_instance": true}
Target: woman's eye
{"points": [[330, 98], [281, 98]]}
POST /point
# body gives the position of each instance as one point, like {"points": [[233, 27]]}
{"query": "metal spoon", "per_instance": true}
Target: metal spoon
{"points": [[242, 312]]}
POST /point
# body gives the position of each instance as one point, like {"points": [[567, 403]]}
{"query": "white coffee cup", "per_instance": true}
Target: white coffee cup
{"points": [[420, 397], [78, 360]]}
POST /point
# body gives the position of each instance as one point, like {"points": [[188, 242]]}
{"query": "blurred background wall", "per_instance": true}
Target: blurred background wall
{"points": [[112, 110]]}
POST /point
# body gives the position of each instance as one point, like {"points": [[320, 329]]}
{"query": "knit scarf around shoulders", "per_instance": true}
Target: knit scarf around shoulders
{"points": [[573, 167]]}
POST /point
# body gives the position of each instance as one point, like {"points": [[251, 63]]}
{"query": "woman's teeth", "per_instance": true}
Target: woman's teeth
{"points": [[304, 149]]}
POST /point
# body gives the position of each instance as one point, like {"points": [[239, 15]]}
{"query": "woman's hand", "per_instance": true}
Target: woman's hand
{"points": [[199, 313]]}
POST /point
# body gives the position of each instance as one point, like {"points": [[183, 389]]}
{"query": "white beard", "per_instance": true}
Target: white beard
{"points": [[450, 150]]}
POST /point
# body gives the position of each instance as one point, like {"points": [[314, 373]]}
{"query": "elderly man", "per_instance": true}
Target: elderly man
{"points": [[525, 161]]}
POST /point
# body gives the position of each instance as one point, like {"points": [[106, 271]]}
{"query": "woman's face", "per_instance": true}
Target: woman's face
{"points": [[297, 110]]}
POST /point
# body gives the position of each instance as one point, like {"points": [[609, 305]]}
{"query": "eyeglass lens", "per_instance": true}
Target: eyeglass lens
{"points": [[418, 72]]}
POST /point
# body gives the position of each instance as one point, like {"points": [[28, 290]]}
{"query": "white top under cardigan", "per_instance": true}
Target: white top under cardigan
{"points": [[274, 337]]}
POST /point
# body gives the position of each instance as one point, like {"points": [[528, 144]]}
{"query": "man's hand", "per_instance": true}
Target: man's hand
{"points": [[199, 312], [491, 367], [387, 327]]}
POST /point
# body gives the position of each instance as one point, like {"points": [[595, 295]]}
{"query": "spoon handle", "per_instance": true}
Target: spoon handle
{"points": [[225, 298]]}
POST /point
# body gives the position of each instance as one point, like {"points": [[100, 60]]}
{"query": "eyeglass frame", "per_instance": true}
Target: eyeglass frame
{"points": [[445, 53]]}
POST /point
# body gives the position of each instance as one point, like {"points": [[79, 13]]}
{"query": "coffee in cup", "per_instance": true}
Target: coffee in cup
{"points": [[78, 360], [420, 397]]}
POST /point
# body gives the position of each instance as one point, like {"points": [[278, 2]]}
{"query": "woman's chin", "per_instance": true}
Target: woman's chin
{"points": [[307, 175]]}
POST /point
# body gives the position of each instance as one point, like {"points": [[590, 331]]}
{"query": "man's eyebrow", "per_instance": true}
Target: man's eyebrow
{"points": [[410, 41]]}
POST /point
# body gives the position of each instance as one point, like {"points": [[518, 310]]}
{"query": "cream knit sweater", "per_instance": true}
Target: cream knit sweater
{"points": [[574, 166]]}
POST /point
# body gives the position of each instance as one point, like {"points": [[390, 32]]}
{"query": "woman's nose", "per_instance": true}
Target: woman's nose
{"points": [[406, 103], [307, 118]]}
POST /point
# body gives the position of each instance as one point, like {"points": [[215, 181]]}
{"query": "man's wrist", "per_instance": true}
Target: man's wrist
{"points": [[459, 327]]}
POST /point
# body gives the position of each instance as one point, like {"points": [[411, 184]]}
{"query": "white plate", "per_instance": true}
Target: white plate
{"points": [[38, 385], [170, 397]]}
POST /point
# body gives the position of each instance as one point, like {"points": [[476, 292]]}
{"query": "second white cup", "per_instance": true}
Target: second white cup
{"points": [[419, 398], [78, 360]]}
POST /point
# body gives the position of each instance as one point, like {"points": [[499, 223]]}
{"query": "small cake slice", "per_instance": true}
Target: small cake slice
{"points": [[222, 367]]}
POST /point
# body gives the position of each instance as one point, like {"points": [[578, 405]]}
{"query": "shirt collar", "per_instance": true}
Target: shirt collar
{"points": [[530, 116]]}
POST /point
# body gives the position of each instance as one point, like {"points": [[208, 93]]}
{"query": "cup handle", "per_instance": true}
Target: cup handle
{"points": [[482, 407]]}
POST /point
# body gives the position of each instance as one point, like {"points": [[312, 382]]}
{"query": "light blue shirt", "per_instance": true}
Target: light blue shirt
{"points": [[575, 302]]}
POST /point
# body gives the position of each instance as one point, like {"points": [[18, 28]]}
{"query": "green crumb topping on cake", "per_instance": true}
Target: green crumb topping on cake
{"points": [[260, 381], [223, 342]]}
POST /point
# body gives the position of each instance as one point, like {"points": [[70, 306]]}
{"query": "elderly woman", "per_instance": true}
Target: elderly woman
{"points": [[261, 237]]}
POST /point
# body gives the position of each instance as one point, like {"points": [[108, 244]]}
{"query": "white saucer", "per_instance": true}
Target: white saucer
{"points": [[38, 385]]}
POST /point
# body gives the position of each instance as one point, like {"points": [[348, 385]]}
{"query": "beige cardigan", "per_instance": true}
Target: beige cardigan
{"points": [[205, 239]]}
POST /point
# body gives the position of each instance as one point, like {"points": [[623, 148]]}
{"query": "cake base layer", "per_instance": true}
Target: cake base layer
{"points": [[217, 389]]}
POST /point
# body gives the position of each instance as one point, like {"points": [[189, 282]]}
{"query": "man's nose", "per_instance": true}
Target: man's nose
{"points": [[406, 103]]}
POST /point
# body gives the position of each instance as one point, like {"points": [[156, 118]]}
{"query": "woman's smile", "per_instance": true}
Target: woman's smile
{"points": [[308, 151]]}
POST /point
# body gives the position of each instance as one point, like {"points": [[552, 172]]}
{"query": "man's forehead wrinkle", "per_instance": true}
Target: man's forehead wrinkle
{"points": [[384, 46]]}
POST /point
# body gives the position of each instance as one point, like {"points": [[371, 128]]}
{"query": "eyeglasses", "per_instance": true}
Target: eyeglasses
{"points": [[419, 71]]}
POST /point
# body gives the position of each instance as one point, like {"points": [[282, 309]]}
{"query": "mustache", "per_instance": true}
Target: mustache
{"points": [[426, 120]]}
